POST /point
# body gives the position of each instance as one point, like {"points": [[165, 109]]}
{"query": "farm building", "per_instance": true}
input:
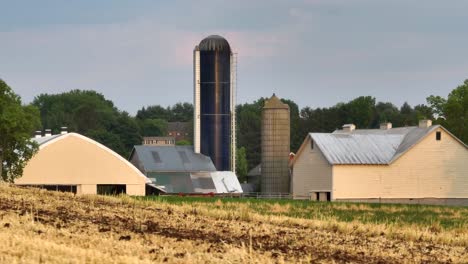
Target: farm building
{"points": [[275, 135], [159, 141], [72, 162], [178, 169], [421, 164]]}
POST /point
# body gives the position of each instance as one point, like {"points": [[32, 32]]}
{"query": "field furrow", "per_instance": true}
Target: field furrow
{"points": [[159, 231]]}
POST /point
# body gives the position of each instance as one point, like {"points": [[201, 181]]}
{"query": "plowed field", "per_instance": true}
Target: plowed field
{"points": [[38, 226]]}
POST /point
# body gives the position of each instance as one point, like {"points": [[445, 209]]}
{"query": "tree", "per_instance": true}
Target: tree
{"points": [[153, 127], [296, 137], [407, 115], [79, 110], [153, 112], [241, 164], [17, 123], [128, 132], [248, 130], [180, 112], [423, 111], [90, 114], [453, 112], [386, 112], [360, 111]]}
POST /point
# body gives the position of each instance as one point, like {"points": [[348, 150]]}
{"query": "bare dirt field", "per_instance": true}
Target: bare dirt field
{"points": [[38, 226]]}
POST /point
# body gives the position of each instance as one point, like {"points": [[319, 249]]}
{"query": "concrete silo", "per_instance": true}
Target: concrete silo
{"points": [[214, 102], [275, 146]]}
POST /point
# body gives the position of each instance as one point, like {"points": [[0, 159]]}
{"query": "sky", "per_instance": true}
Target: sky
{"points": [[315, 52]]}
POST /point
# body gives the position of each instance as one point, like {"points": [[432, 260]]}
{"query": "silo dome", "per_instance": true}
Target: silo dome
{"points": [[214, 43]]}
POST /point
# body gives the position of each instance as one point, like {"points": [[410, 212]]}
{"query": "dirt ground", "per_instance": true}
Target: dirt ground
{"points": [[37, 226]]}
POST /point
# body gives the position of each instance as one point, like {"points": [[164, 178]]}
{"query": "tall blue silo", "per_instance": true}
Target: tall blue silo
{"points": [[214, 101]]}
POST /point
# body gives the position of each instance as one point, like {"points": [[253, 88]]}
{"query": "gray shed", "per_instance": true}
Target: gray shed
{"points": [[178, 169]]}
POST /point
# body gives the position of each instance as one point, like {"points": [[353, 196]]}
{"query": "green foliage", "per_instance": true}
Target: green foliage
{"points": [[17, 124], [360, 111], [450, 217], [90, 114], [296, 139], [241, 164], [183, 143], [248, 130], [452, 112], [153, 127], [386, 112], [108, 139], [180, 112]]}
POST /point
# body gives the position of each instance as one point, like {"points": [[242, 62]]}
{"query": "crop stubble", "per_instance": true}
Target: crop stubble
{"points": [[179, 233]]}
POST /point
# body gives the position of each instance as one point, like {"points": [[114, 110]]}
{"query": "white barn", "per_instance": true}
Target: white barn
{"points": [[75, 163], [424, 164]]}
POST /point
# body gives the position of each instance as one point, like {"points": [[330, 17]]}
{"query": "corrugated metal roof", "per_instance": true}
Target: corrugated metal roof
{"points": [[226, 182], [197, 182], [172, 159], [368, 146]]}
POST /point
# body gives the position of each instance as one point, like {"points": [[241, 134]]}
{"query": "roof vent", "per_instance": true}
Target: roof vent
{"points": [[386, 126], [38, 134], [63, 130], [349, 127], [425, 123], [48, 133]]}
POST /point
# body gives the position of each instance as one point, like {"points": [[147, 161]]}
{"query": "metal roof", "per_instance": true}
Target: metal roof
{"points": [[214, 43], [226, 182], [368, 146], [43, 140], [257, 171], [197, 182], [171, 159]]}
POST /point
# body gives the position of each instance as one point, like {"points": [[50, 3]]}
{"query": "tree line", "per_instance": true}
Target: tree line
{"points": [[91, 114]]}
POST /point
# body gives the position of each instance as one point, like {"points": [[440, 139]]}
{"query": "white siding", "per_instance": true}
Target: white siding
{"points": [[76, 160], [432, 168], [311, 171]]}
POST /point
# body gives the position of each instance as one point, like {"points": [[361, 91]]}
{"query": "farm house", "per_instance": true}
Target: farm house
{"points": [[178, 169], [75, 163], [420, 164]]}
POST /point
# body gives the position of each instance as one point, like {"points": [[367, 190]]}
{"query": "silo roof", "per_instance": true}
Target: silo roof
{"points": [[214, 43], [275, 103]]}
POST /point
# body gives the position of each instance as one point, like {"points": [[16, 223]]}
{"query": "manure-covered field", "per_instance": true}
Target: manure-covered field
{"points": [[38, 226]]}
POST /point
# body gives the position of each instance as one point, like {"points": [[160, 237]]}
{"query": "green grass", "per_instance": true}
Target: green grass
{"points": [[438, 217]]}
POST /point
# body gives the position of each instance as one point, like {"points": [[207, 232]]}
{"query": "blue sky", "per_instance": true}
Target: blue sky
{"points": [[315, 52]]}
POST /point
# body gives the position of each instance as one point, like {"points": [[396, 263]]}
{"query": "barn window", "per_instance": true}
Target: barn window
{"points": [[438, 135], [111, 189], [311, 144], [56, 188]]}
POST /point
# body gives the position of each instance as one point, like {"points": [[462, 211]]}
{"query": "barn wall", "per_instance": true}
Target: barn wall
{"points": [[136, 189], [87, 189], [431, 169], [311, 171], [74, 160]]}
